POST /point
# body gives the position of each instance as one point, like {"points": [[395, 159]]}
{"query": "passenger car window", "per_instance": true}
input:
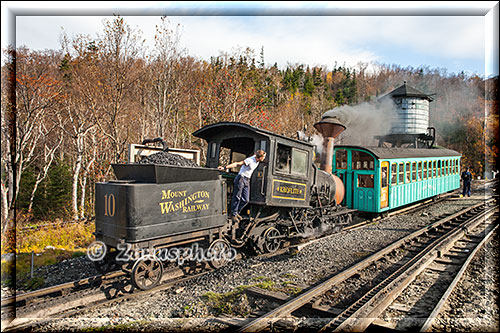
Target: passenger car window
{"points": [[414, 173], [362, 161], [401, 173], [341, 159], [365, 181], [383, 180], [407, 180], [394, 174]]}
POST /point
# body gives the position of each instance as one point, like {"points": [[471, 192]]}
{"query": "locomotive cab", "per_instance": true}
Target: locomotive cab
{"points": [[290, 197], [283, 179]]}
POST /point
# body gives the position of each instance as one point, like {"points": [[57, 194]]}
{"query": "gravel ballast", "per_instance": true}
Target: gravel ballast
{"points": [[188, 306]]}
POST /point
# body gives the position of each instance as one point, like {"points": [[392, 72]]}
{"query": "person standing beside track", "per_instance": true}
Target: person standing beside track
{"points": [[241, 189], [466, 178]]}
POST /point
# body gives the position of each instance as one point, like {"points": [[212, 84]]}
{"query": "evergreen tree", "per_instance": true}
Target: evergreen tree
{"points": [[308, 85]]}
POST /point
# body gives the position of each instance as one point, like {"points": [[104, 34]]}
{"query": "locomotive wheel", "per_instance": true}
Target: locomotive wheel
{"points": [[147, 272], [271, 243], [219, 251]]}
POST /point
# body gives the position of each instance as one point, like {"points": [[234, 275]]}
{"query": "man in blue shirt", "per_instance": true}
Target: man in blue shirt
{"points": [[466, 178], [241, 189]]}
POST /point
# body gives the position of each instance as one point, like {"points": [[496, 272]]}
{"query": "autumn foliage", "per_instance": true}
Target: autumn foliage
{"points": [[80, 107]]}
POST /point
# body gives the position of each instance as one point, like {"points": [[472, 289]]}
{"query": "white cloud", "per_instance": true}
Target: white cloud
{"points": [[314, 40], [285, 39], [321, 40]]}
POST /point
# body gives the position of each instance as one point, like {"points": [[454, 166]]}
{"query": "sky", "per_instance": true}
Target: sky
{"points": [[451, 36]]}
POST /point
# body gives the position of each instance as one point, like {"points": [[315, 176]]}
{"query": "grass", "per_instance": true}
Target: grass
{"points": [[50, 244], [70, 237], [289, 276], [230, 303], [265, 283], [290, 288], [21, 267]]}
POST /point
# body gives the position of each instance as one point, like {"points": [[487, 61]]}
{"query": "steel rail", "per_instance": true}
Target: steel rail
{"points": [[67, 286], [403, 211], [87, 302], [59, 288], [308, 295], [437, 309], [52, 289], [363, 312]]}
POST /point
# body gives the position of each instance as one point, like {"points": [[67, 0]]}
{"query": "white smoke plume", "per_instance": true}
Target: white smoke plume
{"points": [[317, 141], [364, 121]]}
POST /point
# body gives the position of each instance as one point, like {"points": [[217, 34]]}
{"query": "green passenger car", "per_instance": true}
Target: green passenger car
{"points": [[379, 179]]}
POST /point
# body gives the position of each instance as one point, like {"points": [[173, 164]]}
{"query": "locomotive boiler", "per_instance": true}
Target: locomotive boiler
{"points": [[151, 208]]}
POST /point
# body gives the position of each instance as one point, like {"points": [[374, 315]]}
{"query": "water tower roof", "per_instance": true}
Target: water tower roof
{"points": [[407, 91]]}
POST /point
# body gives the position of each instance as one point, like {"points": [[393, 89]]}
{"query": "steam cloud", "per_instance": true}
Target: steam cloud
{"points": [[364, 121]]}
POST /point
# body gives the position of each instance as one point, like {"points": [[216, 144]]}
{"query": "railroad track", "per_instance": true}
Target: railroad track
{"points": [[386, 273], [420, 206], [46, 302], [62, 289], [67, 298], [424, 298]]}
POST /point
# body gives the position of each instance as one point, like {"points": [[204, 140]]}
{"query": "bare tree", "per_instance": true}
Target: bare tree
{"points": [[81, 102], [89, 158], [166, 78], [37, 93], [8, 133], [120, 50], [51, 143]]}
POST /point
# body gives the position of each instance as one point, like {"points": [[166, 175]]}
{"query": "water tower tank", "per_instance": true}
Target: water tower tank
{"points": [[412, 110]]}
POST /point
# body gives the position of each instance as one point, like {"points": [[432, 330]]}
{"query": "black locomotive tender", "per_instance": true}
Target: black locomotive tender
{"points": [[153, 207]]}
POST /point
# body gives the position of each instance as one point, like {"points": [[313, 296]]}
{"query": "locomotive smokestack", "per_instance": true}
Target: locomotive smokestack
{"points": [[330, 128]]}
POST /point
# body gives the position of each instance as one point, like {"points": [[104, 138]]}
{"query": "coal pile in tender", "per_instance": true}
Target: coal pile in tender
{"points": [[164, 158]]}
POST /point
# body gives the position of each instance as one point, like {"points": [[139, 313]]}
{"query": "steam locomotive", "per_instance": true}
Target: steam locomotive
{"points": [[153, 215]]}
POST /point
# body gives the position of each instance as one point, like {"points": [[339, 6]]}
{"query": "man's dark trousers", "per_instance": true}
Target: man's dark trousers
{"points": [[241, 194], [466, 188]]}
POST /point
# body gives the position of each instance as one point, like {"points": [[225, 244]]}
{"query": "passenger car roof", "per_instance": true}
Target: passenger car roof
{"points": [[396, 152]]}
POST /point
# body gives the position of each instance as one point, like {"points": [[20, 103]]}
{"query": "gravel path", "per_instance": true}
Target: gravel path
{"points": [[193, 304]]}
